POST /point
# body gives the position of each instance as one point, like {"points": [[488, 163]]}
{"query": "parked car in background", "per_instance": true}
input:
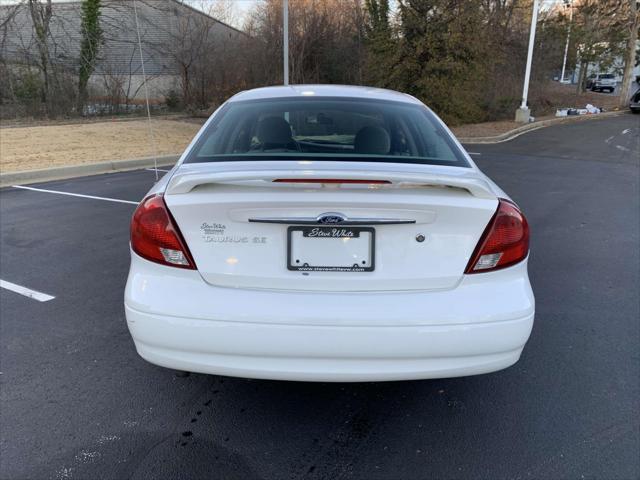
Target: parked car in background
{"points": [[598, 82], [328, 233], [634, 102]]}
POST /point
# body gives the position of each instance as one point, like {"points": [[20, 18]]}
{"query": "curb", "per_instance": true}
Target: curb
{"points": [[516, 132], [60, 173]]}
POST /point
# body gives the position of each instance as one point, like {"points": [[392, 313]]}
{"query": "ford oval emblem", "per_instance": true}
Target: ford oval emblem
{"points": [[331, 218]]}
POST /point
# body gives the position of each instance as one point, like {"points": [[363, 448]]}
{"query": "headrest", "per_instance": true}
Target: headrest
{"points": [[274, 131], [372, 140]]}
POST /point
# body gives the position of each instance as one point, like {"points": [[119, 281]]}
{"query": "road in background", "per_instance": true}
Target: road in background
{"points": [[78, 402]]}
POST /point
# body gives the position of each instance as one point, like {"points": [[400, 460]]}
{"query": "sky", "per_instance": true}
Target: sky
{"points": [[243, 6]]}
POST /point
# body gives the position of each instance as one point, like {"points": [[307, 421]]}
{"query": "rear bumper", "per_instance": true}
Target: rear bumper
{"points": [[179, 321], [313, 353]]}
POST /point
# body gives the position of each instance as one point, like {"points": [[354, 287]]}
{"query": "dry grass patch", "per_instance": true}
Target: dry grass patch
{"points": [[32, 148]]}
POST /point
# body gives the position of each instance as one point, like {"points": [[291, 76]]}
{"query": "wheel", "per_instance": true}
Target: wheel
{"points": [[635, 110]]}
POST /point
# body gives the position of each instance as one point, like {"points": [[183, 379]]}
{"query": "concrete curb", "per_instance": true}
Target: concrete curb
{"points": [[516, 132], [60, 173]]}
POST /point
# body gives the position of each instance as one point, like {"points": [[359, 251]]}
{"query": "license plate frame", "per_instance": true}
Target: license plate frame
{"points": [[327, 268]]}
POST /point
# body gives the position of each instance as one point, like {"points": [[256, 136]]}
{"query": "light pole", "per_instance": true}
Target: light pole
{"points": [[567, 3], [285, 42], [523, 113]]}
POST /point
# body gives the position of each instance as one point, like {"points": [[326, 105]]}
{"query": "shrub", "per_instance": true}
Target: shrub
{"points": [[173, 100]]}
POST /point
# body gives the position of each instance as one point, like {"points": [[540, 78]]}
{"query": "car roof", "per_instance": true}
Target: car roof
{"points": [[346, 91]]}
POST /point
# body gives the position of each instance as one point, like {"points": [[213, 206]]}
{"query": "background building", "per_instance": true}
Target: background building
{"points": [[180, 46]]}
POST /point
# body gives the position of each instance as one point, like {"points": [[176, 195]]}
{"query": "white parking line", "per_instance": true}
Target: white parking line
{"points": [[474, 153], [27, 292], [117, 200], [624, 132], [160, 170]]}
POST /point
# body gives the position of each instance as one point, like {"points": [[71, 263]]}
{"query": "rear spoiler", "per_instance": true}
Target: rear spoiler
{"points": [[185, 182]]}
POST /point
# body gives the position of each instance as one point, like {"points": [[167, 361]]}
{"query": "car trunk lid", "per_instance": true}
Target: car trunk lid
{"points": [[248, 223]]}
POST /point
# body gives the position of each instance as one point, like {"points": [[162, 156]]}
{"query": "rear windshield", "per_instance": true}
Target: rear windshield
{"points": [[326, 129], [606, 75]]}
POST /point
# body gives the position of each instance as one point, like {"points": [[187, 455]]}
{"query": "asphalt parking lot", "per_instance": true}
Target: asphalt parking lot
{"points": [[77, 402]]}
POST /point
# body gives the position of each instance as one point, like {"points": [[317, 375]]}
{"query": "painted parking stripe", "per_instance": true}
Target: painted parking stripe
{"points": [[474, 153], [27, 292], [159, 169], [117, 200]]}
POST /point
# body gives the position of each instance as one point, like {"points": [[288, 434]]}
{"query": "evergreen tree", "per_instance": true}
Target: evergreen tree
{"points": [[442, 56], [91, 40], [381, 44]]}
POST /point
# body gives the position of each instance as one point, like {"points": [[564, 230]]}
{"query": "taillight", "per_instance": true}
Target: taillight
{"points": [[155, 236], [504, 242]]}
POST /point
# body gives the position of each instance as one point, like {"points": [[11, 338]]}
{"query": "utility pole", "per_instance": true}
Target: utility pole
{"points": [[567, 3], [523, 113], [285, 43]]}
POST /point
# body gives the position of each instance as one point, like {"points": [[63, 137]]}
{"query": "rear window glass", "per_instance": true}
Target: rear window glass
{"points": [[326, 129], [606, 75]]}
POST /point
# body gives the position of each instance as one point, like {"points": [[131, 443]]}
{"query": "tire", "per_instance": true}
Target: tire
{"points": [[635, 110]]}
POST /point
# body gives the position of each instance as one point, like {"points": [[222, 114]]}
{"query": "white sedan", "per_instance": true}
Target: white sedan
{"points": [[328, 233]]}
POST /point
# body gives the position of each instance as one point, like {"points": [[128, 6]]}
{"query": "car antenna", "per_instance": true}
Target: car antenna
{"points": [[152, 140]]}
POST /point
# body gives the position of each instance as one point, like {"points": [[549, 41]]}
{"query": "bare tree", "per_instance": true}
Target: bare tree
{"points": [[326, 40], [41, 14], [8, 16], [223, 10], [599, 32], [630, 54], [118, 84]]}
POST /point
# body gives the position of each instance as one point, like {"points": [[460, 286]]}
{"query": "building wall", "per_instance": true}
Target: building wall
{"points": [[170, 31], [132, 86]]}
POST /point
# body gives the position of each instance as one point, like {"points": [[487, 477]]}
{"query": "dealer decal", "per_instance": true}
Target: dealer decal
{"points": [[216, 233]]}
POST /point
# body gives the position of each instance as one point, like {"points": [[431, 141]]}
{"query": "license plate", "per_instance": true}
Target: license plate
{"points": [[331, 249]]}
